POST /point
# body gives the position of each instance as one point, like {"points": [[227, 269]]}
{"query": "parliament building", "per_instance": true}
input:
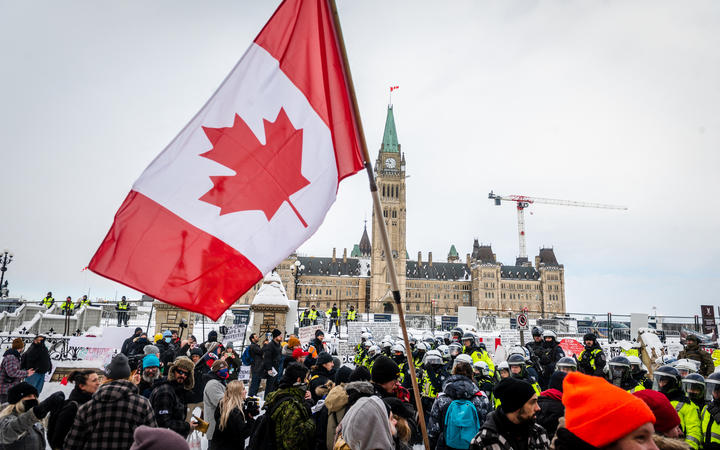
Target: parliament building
{"points": [[427, 287]]}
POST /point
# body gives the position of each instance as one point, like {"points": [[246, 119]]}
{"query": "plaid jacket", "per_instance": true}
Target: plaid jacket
{"points": [[492, 437], [10, 372], [108, 421]]}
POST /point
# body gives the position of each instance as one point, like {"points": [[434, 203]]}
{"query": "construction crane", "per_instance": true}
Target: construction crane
{"points": [[522, 202]]}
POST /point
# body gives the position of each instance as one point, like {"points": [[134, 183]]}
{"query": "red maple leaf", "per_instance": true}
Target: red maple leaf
{"points": [[265, 175]]}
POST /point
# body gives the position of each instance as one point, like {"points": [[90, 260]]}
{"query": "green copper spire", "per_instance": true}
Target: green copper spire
{"points": [[453, 251], [390, 140]]}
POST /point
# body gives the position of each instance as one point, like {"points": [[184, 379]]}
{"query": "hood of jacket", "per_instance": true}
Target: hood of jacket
{"points": [[552, 393], [79, 396], [666, 443], [336, 399], [184, 363], [366, 425], [115, 391], [273, 396], [460, 387], [13, 352]]}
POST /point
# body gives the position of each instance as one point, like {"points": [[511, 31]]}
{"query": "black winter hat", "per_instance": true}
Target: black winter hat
{"points": [[20, 390], [292, 372], [590, 337], [119, 368], [212, 336], [319, 333], [276, 333], [513, 393], [400, 408], [384, 370], [197, 351], [361, 373], [323, 357], [343, 375], [556, 380]]}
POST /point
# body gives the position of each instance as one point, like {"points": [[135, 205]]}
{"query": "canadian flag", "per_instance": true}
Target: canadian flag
{"points": [[249, 179]]}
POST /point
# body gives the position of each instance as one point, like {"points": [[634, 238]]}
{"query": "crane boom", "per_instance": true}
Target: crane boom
{"points": [[524, 201]]}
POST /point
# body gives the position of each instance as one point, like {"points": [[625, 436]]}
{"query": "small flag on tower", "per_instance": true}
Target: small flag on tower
{"points": [[392, 88]]}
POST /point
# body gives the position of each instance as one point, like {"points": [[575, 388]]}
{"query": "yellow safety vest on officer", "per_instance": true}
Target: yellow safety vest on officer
{"points": [[123, 306], [67, 306], [594, 355], [481, 355], [637, 388], [710, 426], [312, 314], [84, 302], [689, 422], [351, 314], [48, 301]]}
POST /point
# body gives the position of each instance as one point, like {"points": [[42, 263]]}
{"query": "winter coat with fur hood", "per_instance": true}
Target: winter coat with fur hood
{"points": [[337, 402], [169, 398]]}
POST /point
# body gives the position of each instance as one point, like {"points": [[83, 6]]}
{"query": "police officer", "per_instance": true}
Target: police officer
{"points": [[693, 351], [667, 381], [333, 315], [694, 387], [67, 307], [566, 364], [638, 372], [592, 358], [483, 379], [398, 355], [516, 362], [48, 301], [312, 315], [419, 354], [360, 349], [351, 314], [548, 355], [619, 374], [536, 345], [476, 352], [122, 311], [434, 377], [711, 412], [84, 301], [370, 356]]}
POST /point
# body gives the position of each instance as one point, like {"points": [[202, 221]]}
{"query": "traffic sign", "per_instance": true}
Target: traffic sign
{"points": [[522, 322]]}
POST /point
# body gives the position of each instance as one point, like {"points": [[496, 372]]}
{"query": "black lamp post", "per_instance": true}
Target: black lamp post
{"points": [[297, 269], [6, 258]]}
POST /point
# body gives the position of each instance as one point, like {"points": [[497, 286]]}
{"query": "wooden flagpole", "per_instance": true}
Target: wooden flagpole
{"points": [[377, 206]]}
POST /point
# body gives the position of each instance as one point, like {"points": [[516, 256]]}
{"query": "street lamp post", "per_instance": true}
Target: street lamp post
{"points": [[297, 269], [5, 258]]}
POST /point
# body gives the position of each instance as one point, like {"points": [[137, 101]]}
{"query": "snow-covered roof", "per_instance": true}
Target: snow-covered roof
{"points": [[272, 292]]}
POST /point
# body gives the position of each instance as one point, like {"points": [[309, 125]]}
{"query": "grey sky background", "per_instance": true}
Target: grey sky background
{"points": [[603, 101]]}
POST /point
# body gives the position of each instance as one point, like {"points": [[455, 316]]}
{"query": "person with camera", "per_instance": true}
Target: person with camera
{"points": [[234, 418]]}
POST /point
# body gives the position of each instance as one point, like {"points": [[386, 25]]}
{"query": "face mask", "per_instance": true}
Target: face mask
{"points": [[223, 373], [29, 404], [168, 340]]}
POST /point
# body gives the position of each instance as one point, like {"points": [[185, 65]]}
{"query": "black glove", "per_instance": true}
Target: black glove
{"points": [[252, 407], [50, 404]]}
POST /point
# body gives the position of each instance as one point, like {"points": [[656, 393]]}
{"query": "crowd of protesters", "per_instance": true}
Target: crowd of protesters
{"points": [[161, 392]]}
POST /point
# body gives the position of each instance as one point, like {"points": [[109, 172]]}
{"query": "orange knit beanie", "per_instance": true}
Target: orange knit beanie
{"points": [[598, 412]]}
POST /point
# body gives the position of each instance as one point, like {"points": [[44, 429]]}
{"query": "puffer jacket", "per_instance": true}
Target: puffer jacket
{"points": [[294, 426], [321, 381], [21, 431], [457, 387], [108, 421], [36, 357]]}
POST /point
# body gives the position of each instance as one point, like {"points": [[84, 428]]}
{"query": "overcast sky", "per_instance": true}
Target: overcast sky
{"points": [[599, 101]]}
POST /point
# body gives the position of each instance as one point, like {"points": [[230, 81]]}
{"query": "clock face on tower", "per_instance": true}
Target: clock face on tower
{"points": [[390, 163]]}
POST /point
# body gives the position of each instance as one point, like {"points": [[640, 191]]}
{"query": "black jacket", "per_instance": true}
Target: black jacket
{"points": [[551, 410], [61, 420], [271, 355], [235, 432], [498, 428], [36, 357], [136, 348], [256, 354], [167, 354], [168, 402]]}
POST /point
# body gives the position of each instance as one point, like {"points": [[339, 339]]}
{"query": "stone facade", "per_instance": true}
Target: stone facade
{"points": [[427, 287]]}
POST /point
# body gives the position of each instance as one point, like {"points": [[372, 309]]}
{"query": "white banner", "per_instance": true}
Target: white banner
{"points": [[244, 373], [236, 333], [307, 334]]}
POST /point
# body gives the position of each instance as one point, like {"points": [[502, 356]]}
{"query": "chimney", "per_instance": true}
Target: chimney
{"points": [[467, 259], [419, 259], [430, 259], [333, 258], [345, 255]]}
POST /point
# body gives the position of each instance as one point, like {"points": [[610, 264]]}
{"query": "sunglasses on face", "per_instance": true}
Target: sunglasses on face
{"points": [[182, 372]]}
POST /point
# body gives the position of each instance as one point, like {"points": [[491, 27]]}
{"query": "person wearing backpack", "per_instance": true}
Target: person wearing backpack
{"points": [[458, 411], [287, 423], [86, 384], [512, 426]]}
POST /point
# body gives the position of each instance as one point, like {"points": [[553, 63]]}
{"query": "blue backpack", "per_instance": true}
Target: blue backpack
{"points": [[246, 357], [461, 424]]}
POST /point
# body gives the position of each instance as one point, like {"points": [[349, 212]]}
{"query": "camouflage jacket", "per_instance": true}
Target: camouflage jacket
{"points": [[707, 365], [294, 427]]}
